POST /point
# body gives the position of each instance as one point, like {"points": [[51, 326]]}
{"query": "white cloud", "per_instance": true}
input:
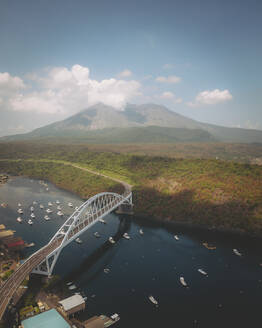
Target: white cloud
{"points": [[168, 79], [211, 97], [10, 84], [64, 90], [125, 73], [171, 96]]}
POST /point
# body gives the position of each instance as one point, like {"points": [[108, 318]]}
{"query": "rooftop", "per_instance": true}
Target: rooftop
{"points": [[46, 319], [72, 301]]}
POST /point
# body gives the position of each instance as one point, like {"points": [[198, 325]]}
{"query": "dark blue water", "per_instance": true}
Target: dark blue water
{"points": [[147, 265]]}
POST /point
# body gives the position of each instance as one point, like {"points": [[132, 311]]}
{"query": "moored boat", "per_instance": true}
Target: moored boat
{"points": [[30, 222], [202, 271], [20, 211], [182, 280], [141, 231], [19, 219], [78, 240], [96, 234], [126, 235], [153, 300], [176, 237], [237, 252], [60, 213], [102, 221], [111, 240], [70, 204]]}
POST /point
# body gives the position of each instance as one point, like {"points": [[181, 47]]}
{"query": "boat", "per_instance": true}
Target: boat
{"points": [[20, 211], [153, 300], [106, 270], [47, 189], [19, 204], [126, 236], [46, 217], [111, 240], [72, 287], [115, 317], [209, 246], [30, 222], [78, 240], [96, 234], [41, 206], [57, 202], [102, 221], [34, 202], [69, 283], [50, 204], [202, 271], [141, 232], [76, 208], [32, 209], [49, 211], [32, 215], [30, 245], [19, 219], [70, 204], [59, 207], [182, 280], [60, 213], [176, 237], [237, 252]]}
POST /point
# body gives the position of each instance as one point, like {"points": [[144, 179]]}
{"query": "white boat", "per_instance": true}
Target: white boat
{"points": [[60, 213], [41, 206], [59, 207], [106, 270], [46, 217], [141, 232], [20, 211], [72, 287], [30, 222], [49, 211], [176, 237], [76, 208], [30, 245], [57, 202], [78, 240], [32, 215], [47, 189], [153, 300], [70, 204], [102, 221], [126, 236], [237, 252], [182, 280], [50, 204], [69, 283], [19, 204], [202, 271], [32, 209], [115, 317], [111, 240], [96, 234], [19, 219], [34, 202]]}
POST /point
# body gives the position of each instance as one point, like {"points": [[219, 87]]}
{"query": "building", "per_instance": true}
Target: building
{"points": [[6, 234], [2, 227], [73, 304], [48, 319], [14, 243]]}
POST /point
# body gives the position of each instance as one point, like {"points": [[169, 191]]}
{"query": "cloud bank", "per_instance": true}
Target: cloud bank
{"points": [[63, 90], [211, 97]]}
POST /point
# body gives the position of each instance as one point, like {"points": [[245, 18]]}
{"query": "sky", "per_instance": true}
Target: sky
{"points": [[199, 58]]}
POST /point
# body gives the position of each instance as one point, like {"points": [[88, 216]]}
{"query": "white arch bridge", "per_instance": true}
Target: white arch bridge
{"points": [[44, 260]]}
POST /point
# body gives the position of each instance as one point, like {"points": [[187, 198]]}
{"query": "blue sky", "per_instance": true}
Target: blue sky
{"points": [[200, 58]]}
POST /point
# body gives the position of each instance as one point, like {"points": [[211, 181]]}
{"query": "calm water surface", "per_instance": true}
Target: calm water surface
{"points": [[145, 265]]}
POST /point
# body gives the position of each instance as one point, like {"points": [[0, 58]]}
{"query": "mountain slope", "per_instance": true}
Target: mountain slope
{"points": [[137, 123]]}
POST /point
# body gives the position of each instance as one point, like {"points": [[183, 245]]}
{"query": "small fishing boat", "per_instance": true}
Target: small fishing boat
{"points": [[141, 232], [72, 287], [182, 280], [50, 204], [69, 283], [96, 234], [32, 215], [19, 219], [20, 211], [237, 252], [78, 240], [153, 300], [30, 222], [19, 204], [41, 206], [70, 204], [46, 217], [60, 213], [202, 271], [34, 202], [106, 270], [57, 202], [32, 208], [111, 240], [49, 210], [76, 208], [176, 237], [126, 235], [30, 245], [102, 221]]}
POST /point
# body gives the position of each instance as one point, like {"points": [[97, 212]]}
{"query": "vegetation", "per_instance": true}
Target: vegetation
{"points": [[208, 192], [7, 274]]}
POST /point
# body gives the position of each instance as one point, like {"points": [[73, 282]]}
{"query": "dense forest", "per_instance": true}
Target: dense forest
{"points": [[207, 192]]}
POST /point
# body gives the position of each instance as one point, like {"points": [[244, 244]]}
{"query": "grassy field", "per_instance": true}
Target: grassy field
{"points": [[208, 192]]}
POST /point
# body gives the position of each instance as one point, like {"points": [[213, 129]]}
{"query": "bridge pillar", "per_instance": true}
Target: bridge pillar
{"points": [[125, 209]]}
